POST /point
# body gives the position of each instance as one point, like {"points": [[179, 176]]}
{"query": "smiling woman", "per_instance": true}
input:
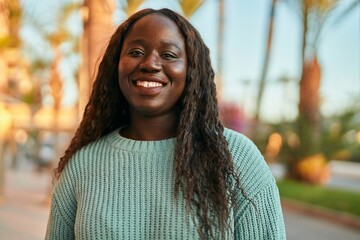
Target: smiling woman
{"points": [[151, 159], [152, 73]]}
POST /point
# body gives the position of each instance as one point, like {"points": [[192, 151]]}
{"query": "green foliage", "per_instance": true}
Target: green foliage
{"points": [[336, 138], [339, 135], [4, 42], [132, 6], [336, 199], [12, 11]]}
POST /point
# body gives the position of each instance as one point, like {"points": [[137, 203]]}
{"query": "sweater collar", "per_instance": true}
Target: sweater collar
{"points": [[118, 141]]}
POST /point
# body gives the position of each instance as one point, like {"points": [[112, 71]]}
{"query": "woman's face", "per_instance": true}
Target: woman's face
{"points": [[152, 67]]}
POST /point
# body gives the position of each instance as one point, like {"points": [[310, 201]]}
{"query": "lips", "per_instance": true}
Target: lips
{"points": [[148, 84], [148, 81]]}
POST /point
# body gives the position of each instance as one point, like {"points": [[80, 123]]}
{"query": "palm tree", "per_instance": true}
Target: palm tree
{"points": [[314, 15], [220, 44], [131, 6], [98, 27], [10, 15], [189, 7], [266, 60]]}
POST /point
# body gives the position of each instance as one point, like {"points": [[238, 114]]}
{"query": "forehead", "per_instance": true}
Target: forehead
{"points": [[154, 26]]}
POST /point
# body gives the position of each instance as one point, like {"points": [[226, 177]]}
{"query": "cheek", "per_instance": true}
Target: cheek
{"points": [[179, 71], [123, 72], [123, 67]]}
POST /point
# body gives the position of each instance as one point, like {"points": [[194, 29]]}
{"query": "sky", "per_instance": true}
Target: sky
{"points": [[244, 48]]}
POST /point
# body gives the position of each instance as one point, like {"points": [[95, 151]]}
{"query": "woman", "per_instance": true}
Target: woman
{"points": [[151, 159]]}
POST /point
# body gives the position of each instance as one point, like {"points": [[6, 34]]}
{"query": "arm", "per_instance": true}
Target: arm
{"points": [[58, 226], [263, 218], [63, 207], [258, 214]]}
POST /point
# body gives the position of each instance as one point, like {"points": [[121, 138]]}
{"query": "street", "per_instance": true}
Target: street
{"points": [[23, 209], [300, 227]]}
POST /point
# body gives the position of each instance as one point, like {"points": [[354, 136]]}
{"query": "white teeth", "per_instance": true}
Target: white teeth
{"points": [[148, 84]]}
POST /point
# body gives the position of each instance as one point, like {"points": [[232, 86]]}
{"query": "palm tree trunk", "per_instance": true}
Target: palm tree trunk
{"points": [[98, 27], [266, 61], [220, 44], [304, 36], [309, 87], [309, 101]]}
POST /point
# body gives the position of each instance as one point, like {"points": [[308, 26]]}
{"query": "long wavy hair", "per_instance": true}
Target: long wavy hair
{"points": [[204, 166]]}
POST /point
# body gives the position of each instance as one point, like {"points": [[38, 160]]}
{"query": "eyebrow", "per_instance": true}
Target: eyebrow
{"points": [[166, 43]]}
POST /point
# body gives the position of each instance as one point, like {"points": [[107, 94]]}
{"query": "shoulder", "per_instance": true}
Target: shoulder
{"points": [[235, 139], [241, 147], [253, 171], [80, 162], [90, 151], [92, 147]]}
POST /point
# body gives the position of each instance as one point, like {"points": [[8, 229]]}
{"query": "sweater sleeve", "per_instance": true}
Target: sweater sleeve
{"points": [[63, 207], [258, 214], [261, 219]]}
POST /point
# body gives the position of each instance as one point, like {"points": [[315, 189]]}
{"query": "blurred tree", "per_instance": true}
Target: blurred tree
{"points": [[220, 45], [130, 6], [189, 7], [315, 15], [266, 60], [98, 26], [10, 16], [57, 38], [47, 70], [340, 135], [61, 43], [339, 140], [306, 138]]}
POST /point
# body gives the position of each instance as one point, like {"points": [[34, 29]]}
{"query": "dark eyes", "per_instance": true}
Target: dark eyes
{"points": [[135, 53], [168, 55], [139, 53]]}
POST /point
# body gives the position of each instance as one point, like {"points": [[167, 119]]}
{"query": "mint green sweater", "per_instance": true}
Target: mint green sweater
{"points": [[117, 188]]}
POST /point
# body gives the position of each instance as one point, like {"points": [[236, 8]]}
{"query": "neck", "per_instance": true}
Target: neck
{"points": [[151, 128]]}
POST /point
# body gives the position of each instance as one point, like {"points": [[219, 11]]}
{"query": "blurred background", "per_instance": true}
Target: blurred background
{"points": [[287, 73]]}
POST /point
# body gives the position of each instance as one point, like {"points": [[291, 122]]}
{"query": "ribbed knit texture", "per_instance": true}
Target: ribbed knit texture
{"points": [[117, 188]]}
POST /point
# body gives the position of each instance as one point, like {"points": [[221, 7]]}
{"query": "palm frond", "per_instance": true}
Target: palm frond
{"points": [[188, 7], [132, 6], [348, 10]]}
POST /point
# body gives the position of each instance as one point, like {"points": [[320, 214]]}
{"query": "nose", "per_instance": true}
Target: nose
{"points": [[150, 63]]}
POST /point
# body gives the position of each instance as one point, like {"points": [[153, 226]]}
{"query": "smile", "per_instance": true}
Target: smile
{"points": [[148, 84]]}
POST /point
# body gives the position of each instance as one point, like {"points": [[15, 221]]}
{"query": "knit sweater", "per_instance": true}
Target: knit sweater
{"points": [[118, 188]]}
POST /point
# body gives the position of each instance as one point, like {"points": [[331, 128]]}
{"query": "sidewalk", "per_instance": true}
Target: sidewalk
{"points": [[310, 222], [23, 208], [301, 226]]}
